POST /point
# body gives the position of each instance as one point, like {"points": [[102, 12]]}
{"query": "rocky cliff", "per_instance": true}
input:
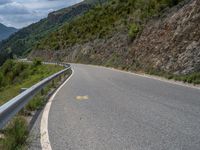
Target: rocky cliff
{"points": [[172, 42]]}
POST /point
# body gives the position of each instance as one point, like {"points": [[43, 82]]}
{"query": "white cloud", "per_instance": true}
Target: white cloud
{"points": [[13, 8], [5, 1], [20, 13]]}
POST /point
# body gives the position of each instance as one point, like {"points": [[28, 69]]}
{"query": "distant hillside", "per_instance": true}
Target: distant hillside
{"points": [[23, 41], [5, 31]]}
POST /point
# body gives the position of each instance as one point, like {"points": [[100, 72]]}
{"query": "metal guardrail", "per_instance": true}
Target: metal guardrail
{"points": [[12, 107]]}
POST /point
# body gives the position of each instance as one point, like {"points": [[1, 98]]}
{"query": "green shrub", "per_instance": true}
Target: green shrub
{"points": [[7, 66], [189, 78], [18, 68], [35, 103], [37, 62], [12, 72], [133, 31]]}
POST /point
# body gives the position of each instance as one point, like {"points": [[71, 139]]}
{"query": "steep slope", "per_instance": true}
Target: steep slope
{"points": [[168, 42], [5, 31], [172, 42]]}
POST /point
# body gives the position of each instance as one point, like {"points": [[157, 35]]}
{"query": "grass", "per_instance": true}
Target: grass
{"points": [[39, 100], [192, 78], [27, 77], [15, 135], [36, 103]]}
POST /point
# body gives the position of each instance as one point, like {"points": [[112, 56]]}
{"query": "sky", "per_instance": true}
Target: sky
{"points": [[21, 13]]}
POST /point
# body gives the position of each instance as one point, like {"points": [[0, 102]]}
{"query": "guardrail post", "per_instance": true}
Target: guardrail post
{"points": [[22, 90], [53, 83], [60, 77]]}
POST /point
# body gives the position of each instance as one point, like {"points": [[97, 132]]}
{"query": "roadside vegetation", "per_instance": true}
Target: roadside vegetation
{"points": [[193, 78], [16, 75], [16, 135]]}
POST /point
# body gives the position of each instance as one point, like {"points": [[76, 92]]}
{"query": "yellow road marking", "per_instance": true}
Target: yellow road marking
{"points": [[82, 97]]}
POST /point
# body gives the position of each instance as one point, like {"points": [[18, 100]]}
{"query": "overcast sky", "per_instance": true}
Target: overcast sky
{"points": [[20, 13]]}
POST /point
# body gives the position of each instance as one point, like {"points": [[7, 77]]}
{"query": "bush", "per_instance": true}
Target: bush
{"points": [[18, 68], [7, 66], [11, 72], [133, 31], [193, 78], [35, 103], [37, 62]]}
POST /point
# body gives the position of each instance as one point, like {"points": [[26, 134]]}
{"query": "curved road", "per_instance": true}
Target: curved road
{"points": [[104, 109]]}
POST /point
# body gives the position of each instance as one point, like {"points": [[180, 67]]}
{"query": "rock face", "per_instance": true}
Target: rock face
{"points": [[172, 43], [111, 52], [169, 43]]}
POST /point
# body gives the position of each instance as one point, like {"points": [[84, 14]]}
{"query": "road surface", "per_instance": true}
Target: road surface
{"points": [[104, 109]]}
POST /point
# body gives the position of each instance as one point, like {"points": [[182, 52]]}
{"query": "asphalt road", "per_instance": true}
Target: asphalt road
{"points": [[102, 109]]}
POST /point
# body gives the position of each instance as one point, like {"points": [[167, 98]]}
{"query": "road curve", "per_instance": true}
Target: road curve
{"points": [[103, 109]]}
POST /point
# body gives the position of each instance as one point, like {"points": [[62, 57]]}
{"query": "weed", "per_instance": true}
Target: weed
{"points": [[15, 134], [193, 78], [36, 103], [133, 31]]}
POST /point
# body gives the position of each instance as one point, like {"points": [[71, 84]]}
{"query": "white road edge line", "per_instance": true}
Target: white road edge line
{"points": [[162, 79], [44, 135]]}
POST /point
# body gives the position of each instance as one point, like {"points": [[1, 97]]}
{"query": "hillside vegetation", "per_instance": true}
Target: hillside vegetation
{"points": [[17, 75], [102, 21]]}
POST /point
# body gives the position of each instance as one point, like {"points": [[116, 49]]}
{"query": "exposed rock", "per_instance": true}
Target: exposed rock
{"points": [[172, 43]]}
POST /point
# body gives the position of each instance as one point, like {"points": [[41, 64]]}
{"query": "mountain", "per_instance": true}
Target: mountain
{"points": [[133, 35], [21, 42], [136, 35], [24, 40], [5, 31]]}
